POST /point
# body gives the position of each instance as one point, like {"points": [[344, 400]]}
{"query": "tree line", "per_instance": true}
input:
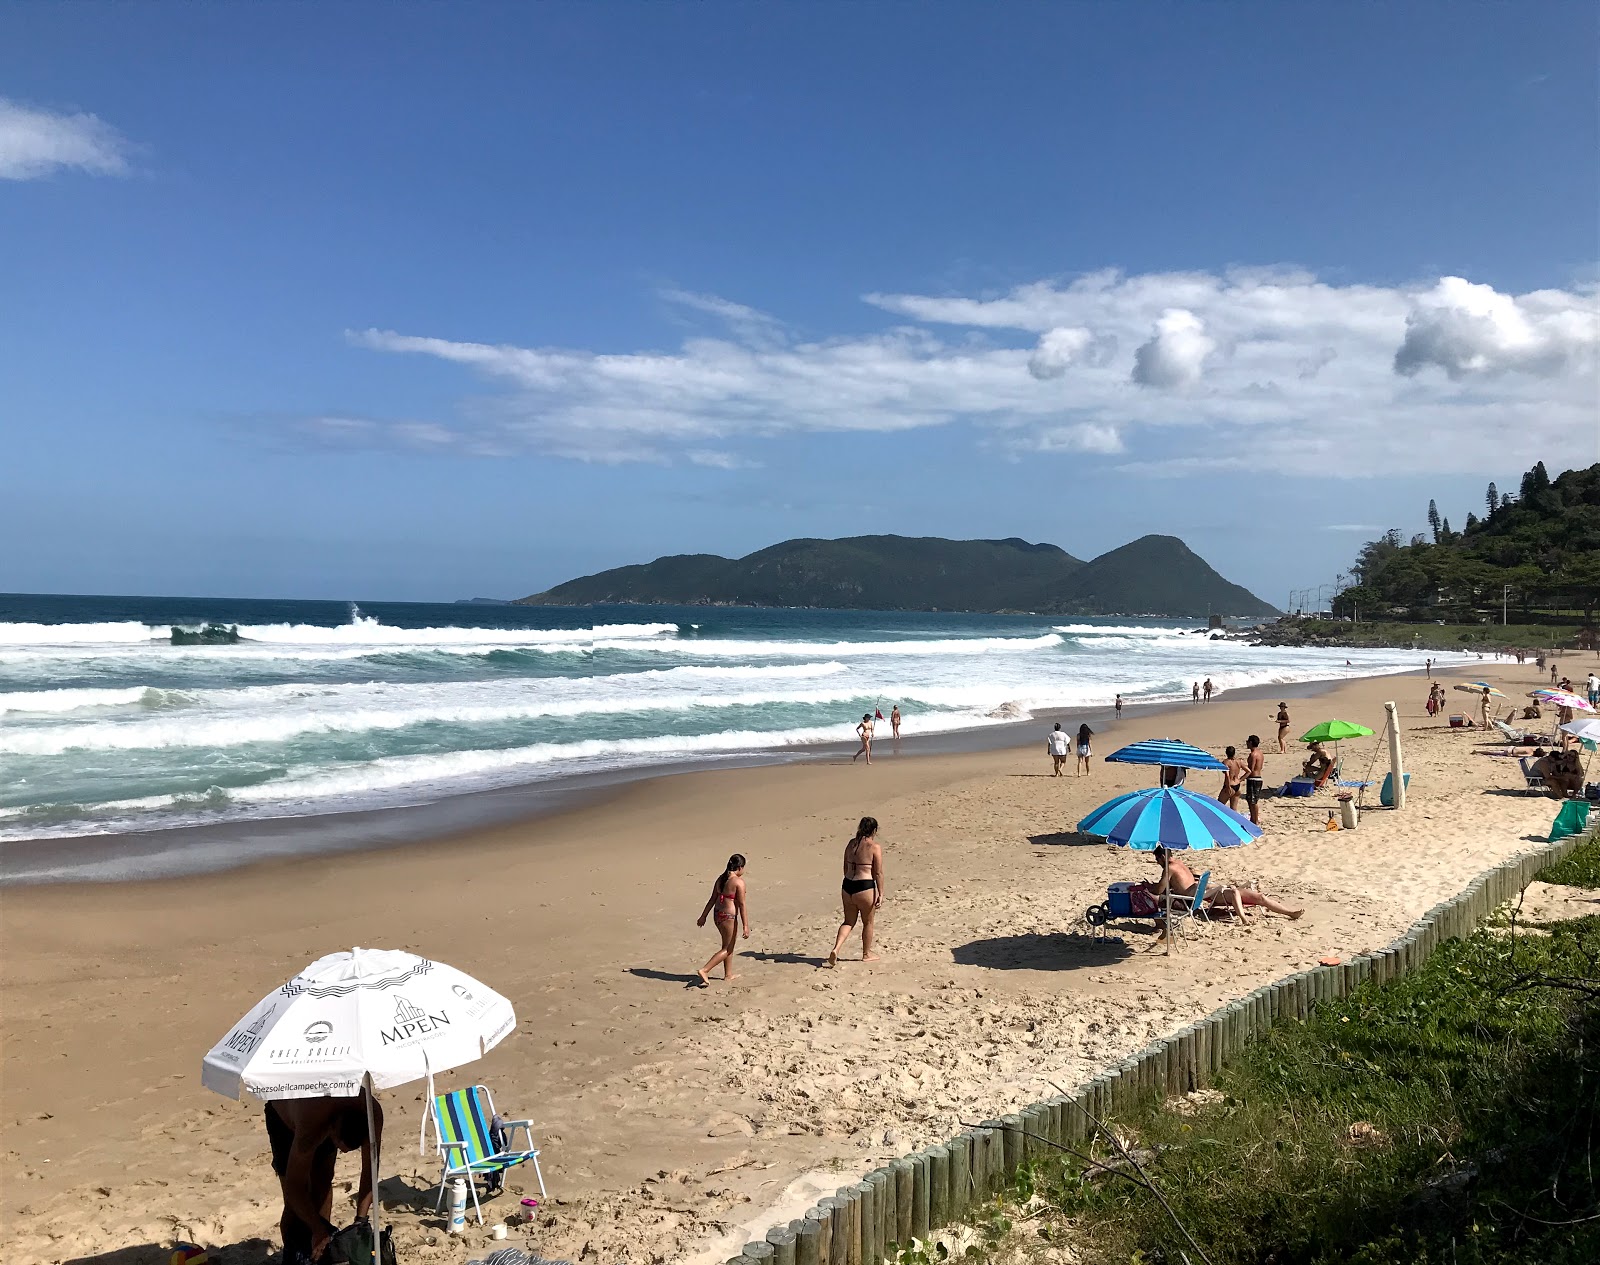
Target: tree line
{"points": [[1541, 542]]}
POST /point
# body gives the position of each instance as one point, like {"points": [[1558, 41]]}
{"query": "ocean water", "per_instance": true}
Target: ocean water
{"points": [[106, 727]]}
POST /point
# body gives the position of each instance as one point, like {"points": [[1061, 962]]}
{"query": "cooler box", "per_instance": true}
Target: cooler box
{"points": [[1118, 903], [1298, 788], [1458, 722]]}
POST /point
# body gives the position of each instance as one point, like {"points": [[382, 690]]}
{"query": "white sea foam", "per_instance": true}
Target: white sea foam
{"points": [[54, 701]]}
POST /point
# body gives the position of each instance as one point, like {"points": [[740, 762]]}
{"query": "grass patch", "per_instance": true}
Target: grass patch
{"points": [[1451, 1117], [1580, 869]]}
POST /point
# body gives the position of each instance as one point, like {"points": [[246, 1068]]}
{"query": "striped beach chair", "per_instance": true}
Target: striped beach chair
{"points": [[461, 1121]]}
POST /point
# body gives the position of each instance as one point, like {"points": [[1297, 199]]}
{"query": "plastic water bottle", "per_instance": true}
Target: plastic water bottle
{"points": [[458, 1206]]}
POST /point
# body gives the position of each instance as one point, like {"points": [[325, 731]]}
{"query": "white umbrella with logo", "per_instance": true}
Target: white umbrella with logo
{"points": [[367, 1019]]}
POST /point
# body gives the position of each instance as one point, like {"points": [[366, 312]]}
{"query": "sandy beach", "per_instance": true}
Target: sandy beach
{"points": [[675, 1120]]}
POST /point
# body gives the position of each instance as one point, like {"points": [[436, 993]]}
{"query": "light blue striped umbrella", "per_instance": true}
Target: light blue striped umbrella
{"points": [[1171, 817], [1165, 751]]}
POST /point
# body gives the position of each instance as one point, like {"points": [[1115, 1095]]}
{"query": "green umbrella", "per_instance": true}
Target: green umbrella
{"points": [[1334, 730]]}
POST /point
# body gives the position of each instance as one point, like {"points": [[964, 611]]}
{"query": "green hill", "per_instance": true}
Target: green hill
{"points": [[1157, 575], [1542, 543]]}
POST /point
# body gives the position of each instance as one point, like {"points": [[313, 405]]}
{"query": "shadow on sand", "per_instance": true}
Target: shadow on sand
{"points": [[244, 1252], [1067, 839], [1058, 951], [666, 977]]}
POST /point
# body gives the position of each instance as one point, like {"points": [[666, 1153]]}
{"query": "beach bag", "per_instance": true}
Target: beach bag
{"points": [[1142, 901], [353, 1246]]}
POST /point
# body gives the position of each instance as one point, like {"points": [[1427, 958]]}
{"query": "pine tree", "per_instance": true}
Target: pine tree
{"points": [[1433, 520], [1444, 530], [1472, 520], [1493, 499]]}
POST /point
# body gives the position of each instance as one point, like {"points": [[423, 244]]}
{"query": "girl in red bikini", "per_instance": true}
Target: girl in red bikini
{"points": [[727, 909]]}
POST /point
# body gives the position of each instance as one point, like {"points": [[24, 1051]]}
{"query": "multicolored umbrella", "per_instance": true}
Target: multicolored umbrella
{"points": [[1479, 688], [1170, 817], [1168, 752], [1560, 698], [1334, 731]]}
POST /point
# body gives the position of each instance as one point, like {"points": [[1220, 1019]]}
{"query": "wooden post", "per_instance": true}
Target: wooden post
{"points": [[904, 1171], [885, 1190], [871, 1249], [938, 1186], [1012, 1142], [822, 1216], [1396, 765], [960, 1148], [758, 1250], [808, 1242], [839, 1229], [919, 1195], [783, 1249]]}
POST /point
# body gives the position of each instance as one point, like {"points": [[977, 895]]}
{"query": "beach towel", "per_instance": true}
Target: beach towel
{"points": [[1572, 819]]}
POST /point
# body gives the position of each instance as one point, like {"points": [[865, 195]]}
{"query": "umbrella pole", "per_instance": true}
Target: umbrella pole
{"points": [[372, 1151]]}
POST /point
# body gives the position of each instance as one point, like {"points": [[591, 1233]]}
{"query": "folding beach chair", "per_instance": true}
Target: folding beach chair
{"points": [[1118, 906], [1531, 781], [462, 1120]]}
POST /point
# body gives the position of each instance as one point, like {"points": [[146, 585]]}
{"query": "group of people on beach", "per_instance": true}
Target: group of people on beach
{"points": [[860, 895], [1060, 746], [864, 731]]}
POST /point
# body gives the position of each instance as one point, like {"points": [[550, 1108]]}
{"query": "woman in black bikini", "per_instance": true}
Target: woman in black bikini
{"points": [[862, 891], [727, 909]]}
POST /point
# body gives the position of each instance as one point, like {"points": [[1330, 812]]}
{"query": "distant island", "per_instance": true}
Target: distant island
{"points": [[1156, 576]]}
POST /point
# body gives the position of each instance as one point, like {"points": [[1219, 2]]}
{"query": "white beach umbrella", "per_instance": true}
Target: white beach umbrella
{"points": [[1588, 728], [369, 1018]]}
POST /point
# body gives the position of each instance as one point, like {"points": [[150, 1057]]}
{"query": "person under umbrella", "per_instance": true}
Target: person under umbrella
{"points": [[306, 1136]]}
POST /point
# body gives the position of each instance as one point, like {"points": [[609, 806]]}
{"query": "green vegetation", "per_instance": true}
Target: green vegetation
{"points": [[1155, 575], [1580, 869], [1426, 636], [1542, 543], [1448, 1117]]}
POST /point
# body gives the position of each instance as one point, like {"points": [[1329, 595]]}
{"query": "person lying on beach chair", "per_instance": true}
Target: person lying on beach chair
{"points": [[1180, 879]]}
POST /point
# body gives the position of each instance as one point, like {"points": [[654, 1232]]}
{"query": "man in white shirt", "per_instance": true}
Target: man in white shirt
{"points": [[1057, 745], [1594, 690]]}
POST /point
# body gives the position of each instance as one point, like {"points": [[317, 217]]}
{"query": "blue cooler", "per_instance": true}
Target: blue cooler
{"points": [[1118, 903], [1298, 788], [1386, 795]]}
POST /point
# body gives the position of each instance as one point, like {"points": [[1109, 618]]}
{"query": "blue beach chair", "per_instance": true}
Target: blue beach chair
{"points": [[461, 1120]]}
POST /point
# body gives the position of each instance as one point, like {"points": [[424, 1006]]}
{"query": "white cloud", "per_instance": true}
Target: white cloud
{"points": [[1058, 350], [1176, 354], [1469, 330], [1182, 372], [34, 143]]}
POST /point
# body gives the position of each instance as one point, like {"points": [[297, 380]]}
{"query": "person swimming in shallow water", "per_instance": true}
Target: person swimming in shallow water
{"points": [[727, 909], [861, 893]]}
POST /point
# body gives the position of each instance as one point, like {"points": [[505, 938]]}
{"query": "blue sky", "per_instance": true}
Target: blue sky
{"points": [[429, 301]]}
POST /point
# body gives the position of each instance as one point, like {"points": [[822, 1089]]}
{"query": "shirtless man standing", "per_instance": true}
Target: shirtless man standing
{"points": [[306, 1135], [1233, 771], [1283, 727], [1206, 689], [1255, 773]]}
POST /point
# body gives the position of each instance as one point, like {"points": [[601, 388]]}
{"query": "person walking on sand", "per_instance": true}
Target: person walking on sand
{"points": [[1194, 694], [1206, 689], [306, 1136], [864, 732], [1084, 734], [1232, 779], [862, 890], [894, 722], [1056, 744], [1429, 668], [1283, 727], [1119, 707], [727, 910], [1255, 776]]}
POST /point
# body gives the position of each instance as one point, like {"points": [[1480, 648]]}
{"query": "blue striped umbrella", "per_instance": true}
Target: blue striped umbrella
{"points": [[1166, 751], [1171, 817]]}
